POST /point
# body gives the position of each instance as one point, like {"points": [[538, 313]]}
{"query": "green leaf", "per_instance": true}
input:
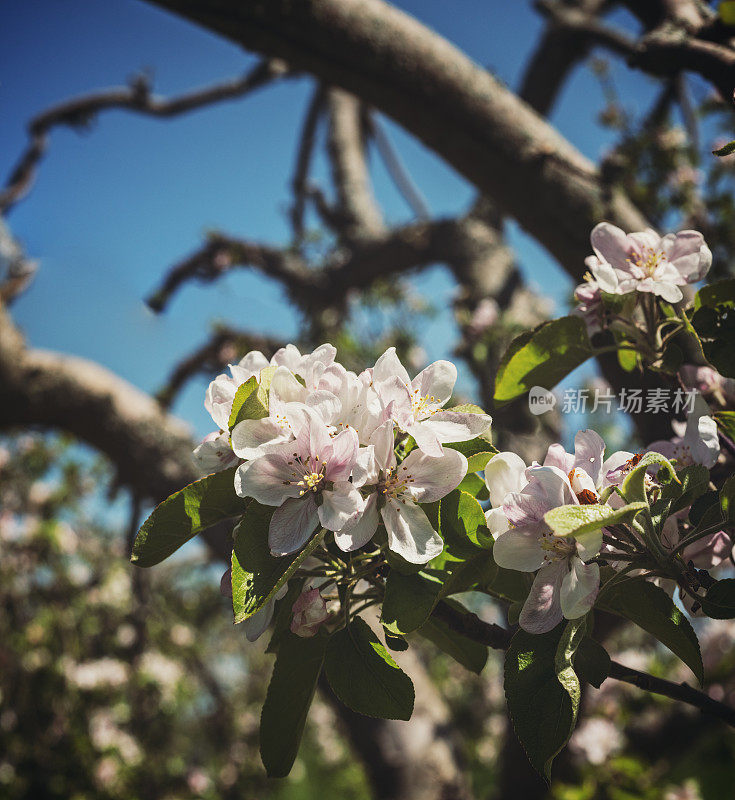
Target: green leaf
{"points": [[251, 399], [408, 602], [726, 423], [582, 521], [363, 675], [706, 512], [652, 609], [256, 574], [473, 484], [693, 483], [727, 11], [721, 293], [465, 651], [184, 514], [397, 643], [290, 692], [727, 500], [628, 359], [719, 602], [592, 662], [542, 357], [462, 523], [634, 487], [542, 707], [714, 322], [461, 576]]}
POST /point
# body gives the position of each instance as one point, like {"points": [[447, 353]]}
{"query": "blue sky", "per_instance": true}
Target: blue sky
{"points": [[115, 206]]}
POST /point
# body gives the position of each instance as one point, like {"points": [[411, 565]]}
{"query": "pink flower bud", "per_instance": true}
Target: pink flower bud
{"points": [[309, 611]]}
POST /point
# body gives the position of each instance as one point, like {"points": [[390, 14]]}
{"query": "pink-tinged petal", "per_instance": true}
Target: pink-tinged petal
{"points": [[557, 456], [309, 611], [436, 382], [383, 442], [342, 457], [589, 449], [455, 426], [504, 473], [286, 388], [706, 445], [522, 508], [288, 356], [292, 525], [668, 291], [645, 240], [218, 400], [709, 551], [256, 625], [366, 470], [359, 532], [326, 404], [426, 438], [410, 534], [340, 506], [395, 396], [325, 354], [389, 366], [606, 278], [550, 485], [542, 609], [612, 465], [579, 588], [520, 548], [214, 454], [430, 478], [249, 365], [269, 479], [252, 438], [496, 522], [225, 583], [610, 244]]}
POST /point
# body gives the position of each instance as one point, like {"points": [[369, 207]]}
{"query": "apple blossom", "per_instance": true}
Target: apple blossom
{"points": [[417, 405], [258, 623], [395, 492], [214, 453], [697, 442], [565, 586], [645, 261], [308, 479], [309, 611]]}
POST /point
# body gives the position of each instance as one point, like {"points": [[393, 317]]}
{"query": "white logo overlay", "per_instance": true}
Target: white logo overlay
{"points": [[540, 400]]}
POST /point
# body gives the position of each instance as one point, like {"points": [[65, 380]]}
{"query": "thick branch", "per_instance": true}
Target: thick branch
{"points": [[361, 217], [559, 50], [137, 97], [458, 109]]}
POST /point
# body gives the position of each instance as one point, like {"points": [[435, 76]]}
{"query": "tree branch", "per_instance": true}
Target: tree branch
{"points": [[494, 636], [456, 108], [137, 97], [222, 348]]}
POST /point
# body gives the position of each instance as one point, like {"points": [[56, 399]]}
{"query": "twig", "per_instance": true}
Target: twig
{"points": [[494, 636], [80, 111], [398, 172]]}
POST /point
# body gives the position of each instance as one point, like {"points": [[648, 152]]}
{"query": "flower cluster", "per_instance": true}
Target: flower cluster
{"points": [[624, 264], [326, 453], [565, 585], [567, 568]]}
